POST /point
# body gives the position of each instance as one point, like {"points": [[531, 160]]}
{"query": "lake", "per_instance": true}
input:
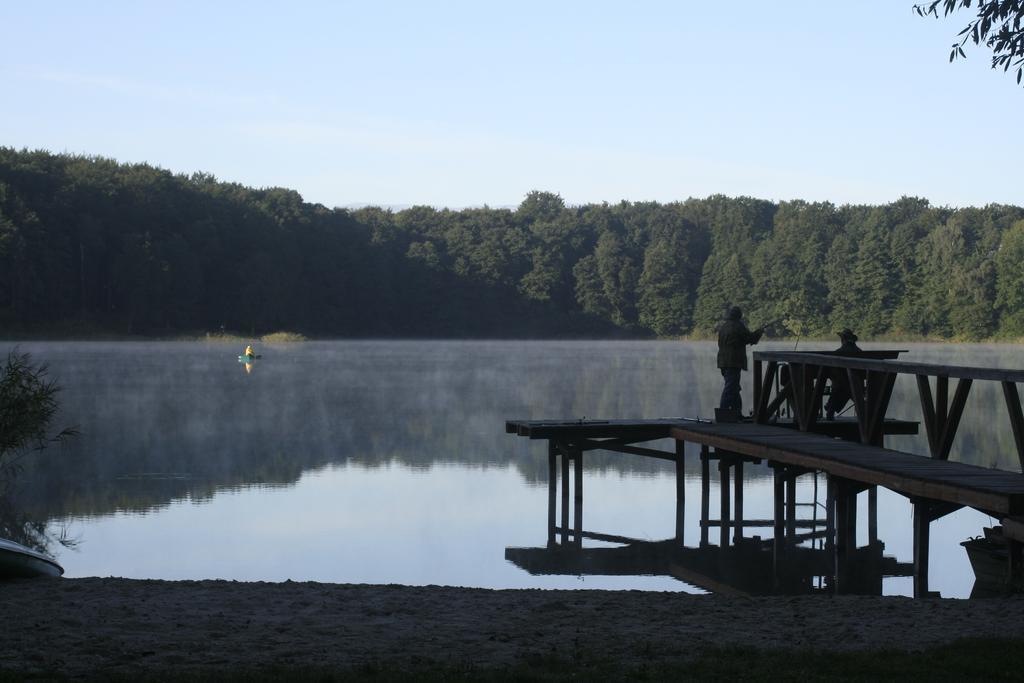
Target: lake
{"points": [[387, 461]]}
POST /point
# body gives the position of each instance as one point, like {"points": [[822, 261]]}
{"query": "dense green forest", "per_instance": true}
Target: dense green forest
{"points": [[88, 243]]}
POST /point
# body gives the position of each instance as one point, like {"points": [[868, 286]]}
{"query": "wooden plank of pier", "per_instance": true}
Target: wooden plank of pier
{"points": [[593, 429], [660, 428], [989, 490]]}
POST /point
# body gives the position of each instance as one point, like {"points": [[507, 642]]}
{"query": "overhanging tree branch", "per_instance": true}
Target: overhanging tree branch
{"points": [[997, 24]]}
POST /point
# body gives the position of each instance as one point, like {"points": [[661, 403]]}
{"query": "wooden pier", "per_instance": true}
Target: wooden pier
{"points": [[848, 452]]}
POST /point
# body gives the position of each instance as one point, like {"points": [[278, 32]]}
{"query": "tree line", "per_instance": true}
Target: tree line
{"points": [[89, 243]]}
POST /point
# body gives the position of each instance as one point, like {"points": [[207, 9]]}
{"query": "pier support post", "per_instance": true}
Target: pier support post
{"points": [[922, 525], [872, 515], [1015, 562], [849, 532], [565, 494], [578, 497], [723, 475], [925, 512], [778, 540], [830, 531], [842, 522], [680, 490], [790, 505], [705, 493], [552, 489], [738, 501]]}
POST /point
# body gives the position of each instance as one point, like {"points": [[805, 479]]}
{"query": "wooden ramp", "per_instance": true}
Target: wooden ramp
{"points": [[996, 492]]}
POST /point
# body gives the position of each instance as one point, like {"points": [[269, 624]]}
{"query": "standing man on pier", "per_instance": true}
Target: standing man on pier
{"points": [[733, 338]]}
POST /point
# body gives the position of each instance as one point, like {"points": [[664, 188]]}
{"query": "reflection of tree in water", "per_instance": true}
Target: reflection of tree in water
{"points": [[28, 402], [16, 525], [180, 421]]}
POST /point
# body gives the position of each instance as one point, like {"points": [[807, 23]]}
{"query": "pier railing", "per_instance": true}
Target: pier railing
{"points": [[869, 379]]}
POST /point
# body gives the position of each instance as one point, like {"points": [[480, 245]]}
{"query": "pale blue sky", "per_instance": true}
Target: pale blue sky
{"points": [[467, 103]]}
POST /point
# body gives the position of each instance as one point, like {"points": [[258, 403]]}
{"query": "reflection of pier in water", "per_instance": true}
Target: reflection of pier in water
{"points": [[739, 565], [745, 568], [801, 553]]}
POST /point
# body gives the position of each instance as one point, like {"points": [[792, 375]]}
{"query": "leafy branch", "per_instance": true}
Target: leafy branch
{"points": [[997, 24]]}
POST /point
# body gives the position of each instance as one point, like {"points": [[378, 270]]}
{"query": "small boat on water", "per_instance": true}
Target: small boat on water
{"points": [[21, 562]]}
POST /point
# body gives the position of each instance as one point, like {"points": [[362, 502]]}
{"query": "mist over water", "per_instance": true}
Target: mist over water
{"points": [[387, 461]]}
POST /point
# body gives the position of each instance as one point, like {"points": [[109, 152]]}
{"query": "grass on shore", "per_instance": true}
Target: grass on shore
{"points": [[967, 659], [86, 331], [229, 338]]}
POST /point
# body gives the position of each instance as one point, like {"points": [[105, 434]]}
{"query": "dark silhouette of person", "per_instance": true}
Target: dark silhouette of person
{"points": [[733, 338], [840, 382]]}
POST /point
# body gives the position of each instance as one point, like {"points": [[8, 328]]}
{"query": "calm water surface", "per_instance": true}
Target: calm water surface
{"points": [[387, 462]]}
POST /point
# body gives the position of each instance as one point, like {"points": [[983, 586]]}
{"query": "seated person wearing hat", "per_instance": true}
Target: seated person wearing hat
{"points": [[840, 383]]}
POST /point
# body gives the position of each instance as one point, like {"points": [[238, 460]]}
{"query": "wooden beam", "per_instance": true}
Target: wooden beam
{"points": [[765, 523], [613, 445], [850, 532], [705, 491], [1015, 562], [578, 496], [757, 391], [606, 538], [934, 509], [942, 419], [956, 411], [872, 515], [790, 504], [636, 430], [879, 392], [778, 540], [723, 480], [818, 392], [1016, 418], [796, 390], [897, 366], [784, 394], [831, 546], [763, 409], [680, 490], [922, 532], [552, 490], [941, 398], [931, 426], [808, 386], [856, 380], [565, 496], [808, 536], [738, 502], [844, 545]]}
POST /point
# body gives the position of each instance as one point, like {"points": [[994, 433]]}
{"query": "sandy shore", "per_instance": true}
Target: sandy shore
{"points": [[108, 626]]}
